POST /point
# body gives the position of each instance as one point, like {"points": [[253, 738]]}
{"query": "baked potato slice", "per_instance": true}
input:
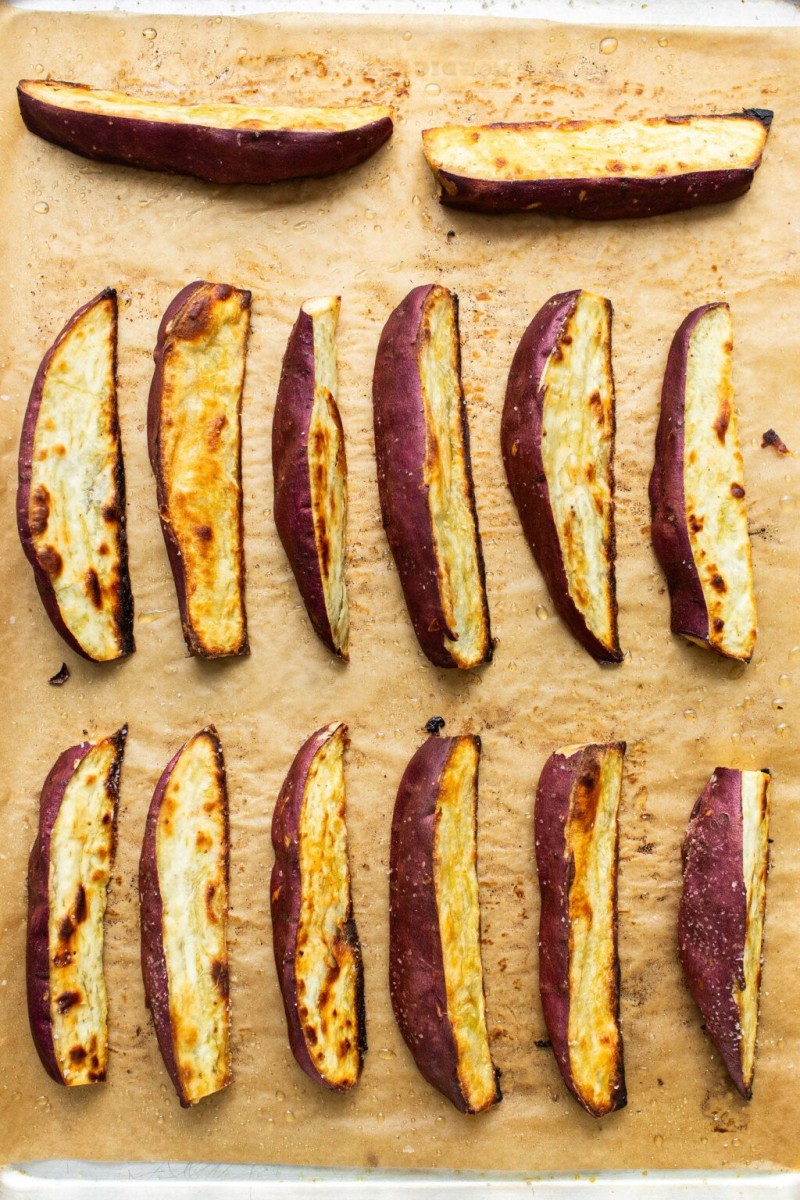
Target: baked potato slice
{"points": [[557, 436], [435, 968], [195, 439], [183, 894], [575, 819], [425, 478], [722, 911], [598, 170], [309, 468], [317, 951], [71, 494], [697, 496], [68, 875], [218, 142]]}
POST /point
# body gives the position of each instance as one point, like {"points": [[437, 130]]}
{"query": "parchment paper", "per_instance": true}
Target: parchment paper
{"points": [[371, 235]]}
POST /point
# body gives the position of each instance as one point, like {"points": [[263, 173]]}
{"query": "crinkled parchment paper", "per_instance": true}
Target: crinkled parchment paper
{"points": [[70, 228]]}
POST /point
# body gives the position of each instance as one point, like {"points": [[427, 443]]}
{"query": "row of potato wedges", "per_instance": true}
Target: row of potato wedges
{"points": [[435, 972], [557, 439]]}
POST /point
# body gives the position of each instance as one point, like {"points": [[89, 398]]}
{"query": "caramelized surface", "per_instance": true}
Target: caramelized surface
{"points": [[755, 856]]}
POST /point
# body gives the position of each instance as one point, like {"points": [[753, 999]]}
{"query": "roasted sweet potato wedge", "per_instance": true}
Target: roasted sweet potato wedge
{"points": [[317, 951], [722, 910], [700, 532], [425, 478], [435, 969], [598, 169], [219, 142], [183, 893], [71, 495], [576, 809], [309, 467], [195, 437], [557, 438], [68, 876]]}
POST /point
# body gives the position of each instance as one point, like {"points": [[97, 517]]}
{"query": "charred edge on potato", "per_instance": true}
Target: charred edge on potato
{"points": [[576, 815], [68, 877], [558, 432], [310, 471], [183, 889], [697, 495], [425, 478], [71, 494], [598, 169], [317, 951], [436, 974], [194, 432], [722, 910], [217, 142]]}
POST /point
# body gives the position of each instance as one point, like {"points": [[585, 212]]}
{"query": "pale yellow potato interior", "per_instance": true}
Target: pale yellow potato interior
{"points": [[650, 147], [595, 1047], [81, 845], [455, 535], [75, 459], [713, 481], [577, 453], [211, 115], [755, 852], [327, 468], [455, 875], [326, 965], [200, 448], [191, 853]]}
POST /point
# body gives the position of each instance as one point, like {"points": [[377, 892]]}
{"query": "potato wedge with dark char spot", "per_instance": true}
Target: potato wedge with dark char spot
{"points": [[722, 910], [575, 820], [317, 951], [425, 478], [71, 495], [194, 434], [697, 495], [435, 969], [68, 875], [598, 170], [183, 894], [310, 471], [557, 437]]}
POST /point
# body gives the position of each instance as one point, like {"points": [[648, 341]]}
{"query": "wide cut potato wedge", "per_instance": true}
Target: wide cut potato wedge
{"points": [[216, 141], [557, 437], [317, 951], [575, 821], [722, 910], [697, 495], [183, 895], [71, 494], [598, 170], [435, 969], [309, 468], [195, 440], [425, 478], [68, 875]]}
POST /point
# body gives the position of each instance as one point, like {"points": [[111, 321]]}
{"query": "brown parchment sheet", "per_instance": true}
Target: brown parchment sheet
{"points": [[70, 228]]}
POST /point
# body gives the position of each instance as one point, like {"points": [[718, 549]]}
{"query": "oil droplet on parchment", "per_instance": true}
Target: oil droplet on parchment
{"points": [[690, 714], [608, 45], [432, 89], [149, 33], [662, 41], [41, 206], [542, 612]]}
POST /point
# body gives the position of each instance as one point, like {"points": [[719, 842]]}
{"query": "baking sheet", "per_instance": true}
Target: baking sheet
{"points": [[372, 235]]}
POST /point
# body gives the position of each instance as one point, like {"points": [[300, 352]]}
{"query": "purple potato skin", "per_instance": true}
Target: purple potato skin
{"points": [[214, 155], [521, 443], [400, 450], [712, 917], [151, 909], [416, 963], [43, 584], [285, 898], [153, 423], [38, 939], [294, 518]]}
